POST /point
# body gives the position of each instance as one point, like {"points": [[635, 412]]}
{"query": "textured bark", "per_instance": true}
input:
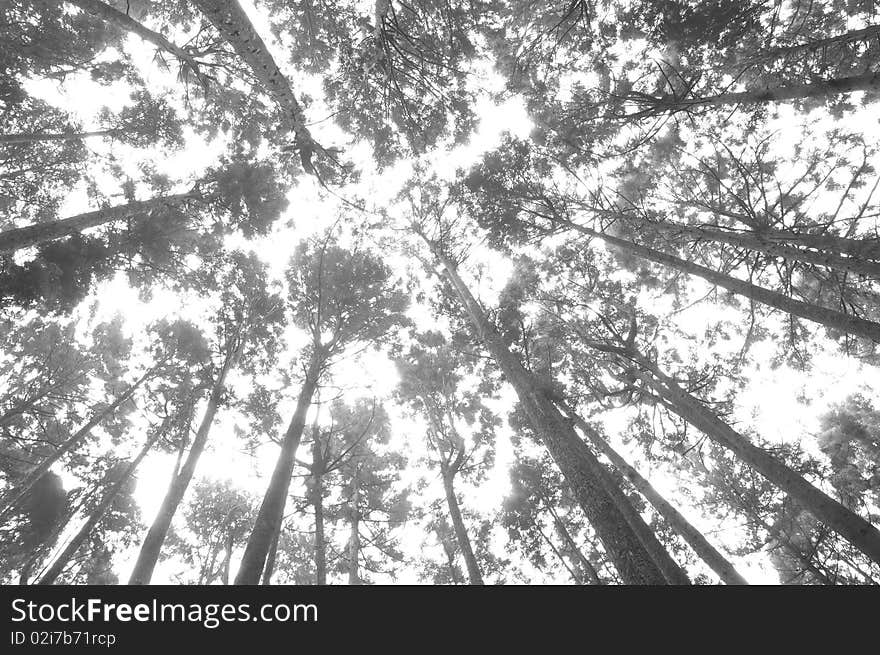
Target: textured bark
{"points": [[859, 532], [74, 440], [268, 521], [622, 531], [694, 538], [828, 317], [32, 235], [461, 535], [152, 546], [97, 514], [122, 20], [235, 27]]}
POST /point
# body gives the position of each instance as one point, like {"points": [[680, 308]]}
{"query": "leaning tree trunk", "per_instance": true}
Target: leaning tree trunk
{"points": [[859, 532], [115, 17], [268, 521], [782, 52], [71, 136], [22, 489], [828, 317], [152, 546], [629, 542], [461, 534], [694, 538], [449, 550], [97, 514], [270, 558], [863, 248], [755, 242], [656, 105], [33, 235], [572, 547], [235, 27]]}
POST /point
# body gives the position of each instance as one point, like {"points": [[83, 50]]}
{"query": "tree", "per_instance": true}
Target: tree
{"points": [[246, 323], [431, 382], [343, 299]]}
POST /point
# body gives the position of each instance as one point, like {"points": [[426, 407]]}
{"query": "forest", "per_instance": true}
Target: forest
{"points": [[439, 292]]}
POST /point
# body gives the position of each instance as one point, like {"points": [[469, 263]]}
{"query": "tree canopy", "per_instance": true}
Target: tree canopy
{"points": [[484, 292]]}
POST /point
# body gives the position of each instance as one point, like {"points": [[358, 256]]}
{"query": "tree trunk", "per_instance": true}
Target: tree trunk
{"points": [[235, 27], [72, 136], [230, 544], [354, 543], [444, 540], [32, 235], [97, 514], [756, 242], [270, 558], [575, 576], [22, 489], [844, 521], [695, 539], [621, 530], [271, 513], [820, 89], [320, 545], [573, 548], [461, 535], [827, 317], [115, 17], [152, 546], [772, 54]]}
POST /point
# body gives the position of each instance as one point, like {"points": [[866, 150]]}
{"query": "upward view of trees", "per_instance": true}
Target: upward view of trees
{"points": [[480, 292]]}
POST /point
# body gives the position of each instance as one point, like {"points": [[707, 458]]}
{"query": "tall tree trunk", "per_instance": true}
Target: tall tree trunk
{"points": [[230, 544], [115, 17], [22, 489], [836, 516], [320, 544], [575, 575], [270, 558], [773, 54], [694, 538], [354, 542], [32, 235], [97, 514], [827, 317], [70, 136], [863, 248], [271, 513], [756, 242], [448, 548], [228, 17], [152, 546], [461, 535], [575, 552], [819, 89], [630, 544]]}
